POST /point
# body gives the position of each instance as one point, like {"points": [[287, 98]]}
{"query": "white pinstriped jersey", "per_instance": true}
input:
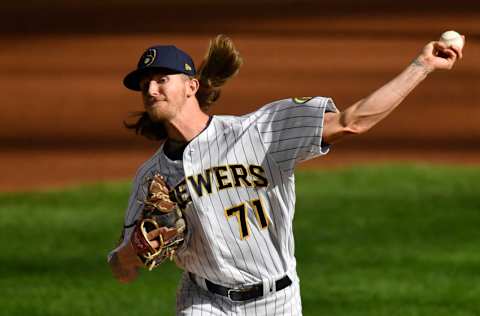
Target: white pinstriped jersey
{"points": [[237, 187]]}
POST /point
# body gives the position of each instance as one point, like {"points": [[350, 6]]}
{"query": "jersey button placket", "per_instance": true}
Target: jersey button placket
{"points": [[188, 158], [188, 169]]}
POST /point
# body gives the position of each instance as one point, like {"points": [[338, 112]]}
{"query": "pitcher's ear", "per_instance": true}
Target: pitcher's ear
{"points": [[192, 86]]}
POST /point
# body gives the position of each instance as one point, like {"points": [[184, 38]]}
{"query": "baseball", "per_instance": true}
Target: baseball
{"points": [[452, 38]]}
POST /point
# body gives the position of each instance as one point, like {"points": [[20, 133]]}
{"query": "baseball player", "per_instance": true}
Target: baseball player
{"points": [[233, 177]]}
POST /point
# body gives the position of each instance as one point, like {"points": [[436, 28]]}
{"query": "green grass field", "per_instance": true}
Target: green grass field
{"points": [[379, 240]]}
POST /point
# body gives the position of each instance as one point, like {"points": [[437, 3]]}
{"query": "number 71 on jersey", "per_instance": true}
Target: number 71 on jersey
{"points": [[240, 211]]}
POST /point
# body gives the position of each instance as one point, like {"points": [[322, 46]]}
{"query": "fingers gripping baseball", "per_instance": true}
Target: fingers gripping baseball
{"points": [[442, 54], [439, 56]]}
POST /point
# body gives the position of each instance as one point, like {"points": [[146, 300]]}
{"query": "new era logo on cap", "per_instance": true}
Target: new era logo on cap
{"points": [[162, 57]]}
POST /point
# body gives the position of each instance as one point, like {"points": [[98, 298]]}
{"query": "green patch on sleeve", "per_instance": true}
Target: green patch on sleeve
{"points": [[301, 100]]}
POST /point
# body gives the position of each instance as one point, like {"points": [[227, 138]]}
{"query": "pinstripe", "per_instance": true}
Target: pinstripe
{"points": [[209, 222], [283, 221], [302, 107], [230, 200], [208, 258], [249, 196], [295, 148], [271, 257], [278, 269], [223, 207], [198, 261], [285, 160], [275, 132], [290, 138], [291, 117], [201, 259], [287, 222], [292, 300], [287, 128], [275, 305]]}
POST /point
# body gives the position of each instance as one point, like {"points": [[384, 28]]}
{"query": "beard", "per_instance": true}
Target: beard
{"points": [[156, 115], [160, 111]]}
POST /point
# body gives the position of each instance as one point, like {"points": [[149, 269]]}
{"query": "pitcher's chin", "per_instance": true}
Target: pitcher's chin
{"points": [[156, 114]]}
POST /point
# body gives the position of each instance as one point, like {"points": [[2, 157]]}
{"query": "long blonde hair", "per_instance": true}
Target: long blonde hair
{"points": [[221, 62]]}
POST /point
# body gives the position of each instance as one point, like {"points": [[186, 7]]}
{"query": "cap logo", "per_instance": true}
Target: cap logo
{"points": [[149, 57], [187, 67]]}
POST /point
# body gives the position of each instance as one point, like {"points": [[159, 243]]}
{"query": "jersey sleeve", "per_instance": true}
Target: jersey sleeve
{"points": [[291, 129], [135, 205]]}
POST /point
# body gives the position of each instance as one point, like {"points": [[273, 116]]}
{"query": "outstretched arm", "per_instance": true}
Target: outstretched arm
{"points": [[367, 112]]}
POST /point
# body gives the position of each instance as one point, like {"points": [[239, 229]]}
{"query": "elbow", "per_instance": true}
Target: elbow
{"points": [[336, 130], [354, 128], [352, 124]]}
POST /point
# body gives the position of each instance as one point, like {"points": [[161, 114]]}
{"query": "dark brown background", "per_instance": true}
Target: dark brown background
{"points": [[63, 103]]}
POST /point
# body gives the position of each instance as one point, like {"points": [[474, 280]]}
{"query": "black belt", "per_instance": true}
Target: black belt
{"points": [[244, 294]]}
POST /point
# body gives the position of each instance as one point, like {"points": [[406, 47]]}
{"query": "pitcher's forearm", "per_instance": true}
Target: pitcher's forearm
{"points": [[367, 112]]}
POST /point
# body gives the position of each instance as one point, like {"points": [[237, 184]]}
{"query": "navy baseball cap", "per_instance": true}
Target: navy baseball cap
{"points": [[167, 57]]}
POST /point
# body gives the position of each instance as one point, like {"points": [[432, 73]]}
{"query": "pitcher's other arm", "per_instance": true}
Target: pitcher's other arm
{"points": [[367, 112]]}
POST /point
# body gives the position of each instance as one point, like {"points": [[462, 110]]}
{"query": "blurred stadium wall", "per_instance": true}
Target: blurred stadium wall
{"points": [[62, 63]]}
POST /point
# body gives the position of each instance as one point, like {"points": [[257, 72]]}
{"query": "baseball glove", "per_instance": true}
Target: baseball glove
{"points": [[161, 228]]}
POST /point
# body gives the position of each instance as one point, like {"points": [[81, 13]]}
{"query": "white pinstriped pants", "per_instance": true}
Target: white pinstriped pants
{"points": [[194, 300]]}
